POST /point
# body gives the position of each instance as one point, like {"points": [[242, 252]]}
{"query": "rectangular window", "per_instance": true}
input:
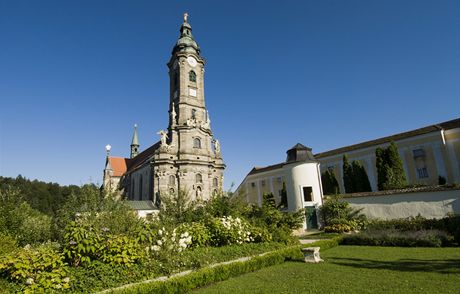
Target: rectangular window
{"points": [[307, 194], [422, 173], [253, 184], [418, 153], [263, 183]]}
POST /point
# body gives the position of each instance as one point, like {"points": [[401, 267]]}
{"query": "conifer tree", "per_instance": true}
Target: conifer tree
{"points": [[360, 178], [329, 183], [390, 171], [347, 175], [395, 162]]}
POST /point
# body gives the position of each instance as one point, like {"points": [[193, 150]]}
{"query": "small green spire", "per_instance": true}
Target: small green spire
{"points": [[135, 143]]}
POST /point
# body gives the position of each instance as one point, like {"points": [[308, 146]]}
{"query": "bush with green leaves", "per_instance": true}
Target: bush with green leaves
{"points": [[85, 241], [229, 230], [40, 269], [339, 217], [420, 238], [19, 219], [200, 234]]}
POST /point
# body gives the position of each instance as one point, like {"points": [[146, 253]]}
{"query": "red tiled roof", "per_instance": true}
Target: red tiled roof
{"points": [[118, 165]]}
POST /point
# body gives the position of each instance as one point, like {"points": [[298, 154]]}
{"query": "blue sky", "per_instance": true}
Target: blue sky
{"points": [[77, 75]]}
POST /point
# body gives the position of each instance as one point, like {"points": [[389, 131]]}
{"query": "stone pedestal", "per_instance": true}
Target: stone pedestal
{"points": [[311, 254]]}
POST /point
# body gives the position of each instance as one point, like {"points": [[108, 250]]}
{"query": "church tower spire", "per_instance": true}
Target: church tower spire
{"points": [[134, 143], [189, 157]]}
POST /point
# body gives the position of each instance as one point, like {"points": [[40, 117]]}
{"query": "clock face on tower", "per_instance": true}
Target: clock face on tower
{"points": [[191, 61]]}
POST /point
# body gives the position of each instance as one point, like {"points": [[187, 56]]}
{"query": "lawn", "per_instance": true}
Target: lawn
{"points": [[356, 269]]}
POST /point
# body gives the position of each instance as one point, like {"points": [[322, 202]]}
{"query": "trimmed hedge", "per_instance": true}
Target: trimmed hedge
{"points": [[221, 272], [422, 238]]}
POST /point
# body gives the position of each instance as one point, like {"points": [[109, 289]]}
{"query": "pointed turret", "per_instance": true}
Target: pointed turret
{"points": [[186, 42], [134, 143]]}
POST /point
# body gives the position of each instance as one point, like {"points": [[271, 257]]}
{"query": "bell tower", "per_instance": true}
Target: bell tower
{"points": [[189, 156]]}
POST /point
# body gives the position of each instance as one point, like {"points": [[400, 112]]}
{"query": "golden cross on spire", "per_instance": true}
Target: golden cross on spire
{"points": [[185, 17]]}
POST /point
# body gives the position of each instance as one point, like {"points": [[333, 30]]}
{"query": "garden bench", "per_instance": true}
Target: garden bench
{"points": [[311, 254]]}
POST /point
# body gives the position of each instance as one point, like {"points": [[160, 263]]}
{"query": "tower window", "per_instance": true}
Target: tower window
{"points": [[215, 182], [192, 76], [193, 113], [199, 178], [196, 143], [172, 180], [307, 194]]}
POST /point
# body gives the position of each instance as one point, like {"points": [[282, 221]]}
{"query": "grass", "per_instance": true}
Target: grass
{"points": [[356, 269]]}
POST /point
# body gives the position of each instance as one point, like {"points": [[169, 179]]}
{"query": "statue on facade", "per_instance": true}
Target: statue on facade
{"points": [[164, 137], [216, 146], [207, 123]]}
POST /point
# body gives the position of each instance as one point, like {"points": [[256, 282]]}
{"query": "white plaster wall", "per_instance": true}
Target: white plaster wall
{"points": [[428, 204], [297, 176]]}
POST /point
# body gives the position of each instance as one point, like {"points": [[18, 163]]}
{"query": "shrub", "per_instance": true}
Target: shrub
{"points": [[229, 230], [38, 269], [339, 217], [198, 231], [7, 244], [422, 238], [85, 242]]}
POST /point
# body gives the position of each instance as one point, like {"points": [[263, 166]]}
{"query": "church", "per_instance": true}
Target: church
{"points": [[187, 156]]}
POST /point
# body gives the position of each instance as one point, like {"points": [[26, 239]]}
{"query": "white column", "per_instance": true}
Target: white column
{"points": [[402, 152], [259, 196], [455, 165], [247, 191], [271, 186], [341, 187], [440, 166], [370, 173]]}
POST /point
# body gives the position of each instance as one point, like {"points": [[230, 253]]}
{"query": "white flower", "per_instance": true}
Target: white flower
{"points": [[66, 280], [159, 242], [155, 248], [160, 232], [29, 281], [58, 286]]}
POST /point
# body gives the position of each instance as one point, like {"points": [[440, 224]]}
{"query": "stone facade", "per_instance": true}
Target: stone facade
{"points": [[187, 157]]}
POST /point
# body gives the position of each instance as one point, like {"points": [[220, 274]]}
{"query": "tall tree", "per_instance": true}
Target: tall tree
{"points": [[347, 175], [360, 178], [396, 164], [329, 182], [390, 171]]}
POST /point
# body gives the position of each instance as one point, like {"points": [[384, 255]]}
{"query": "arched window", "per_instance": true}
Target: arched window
{"points": [[196, 143], [172, 180], [193, 113], [215, 182], [192, 76], [199, 178]]}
